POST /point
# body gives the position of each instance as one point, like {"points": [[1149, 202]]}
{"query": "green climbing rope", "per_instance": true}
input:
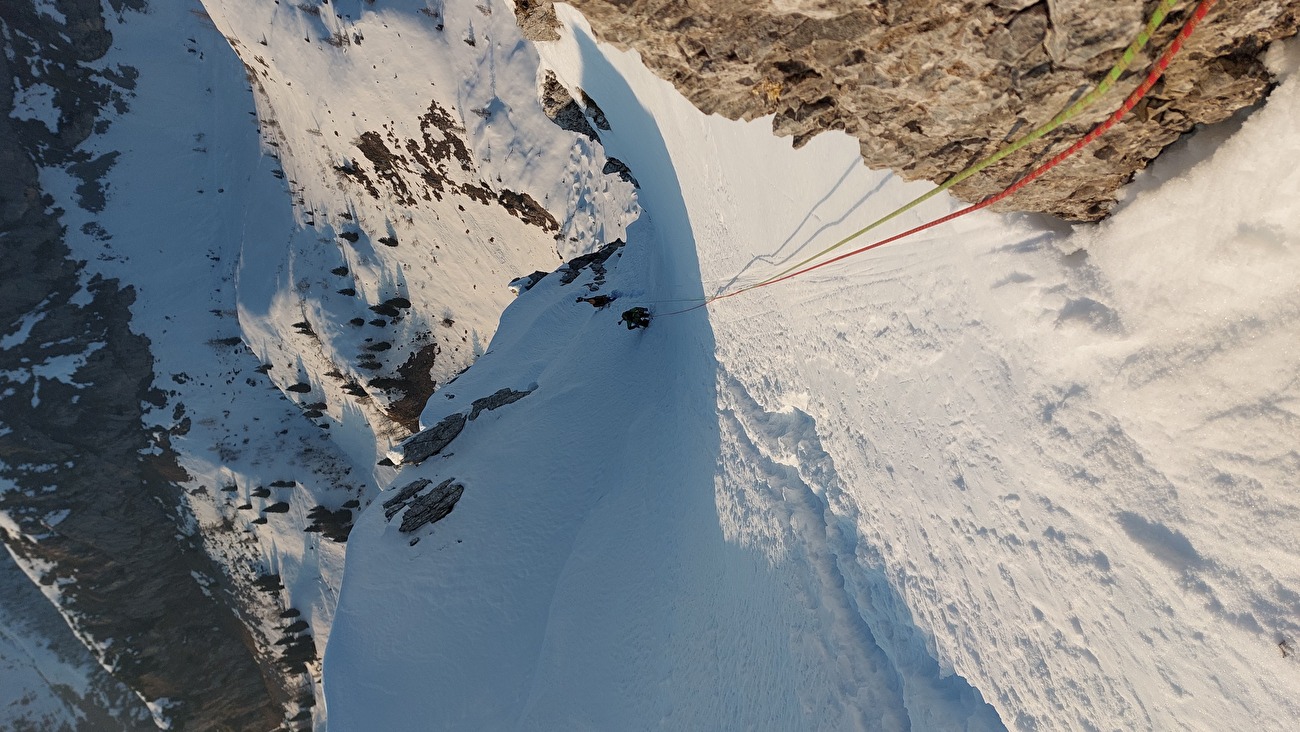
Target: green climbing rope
{"points": [[1129, 56]]}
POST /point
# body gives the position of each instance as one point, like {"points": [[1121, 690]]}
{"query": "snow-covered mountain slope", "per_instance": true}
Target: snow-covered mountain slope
{"points": [[1048, 469], [312, 248]]}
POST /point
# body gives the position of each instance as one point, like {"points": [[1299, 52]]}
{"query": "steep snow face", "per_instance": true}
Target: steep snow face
{"points": [[1048, 469]]}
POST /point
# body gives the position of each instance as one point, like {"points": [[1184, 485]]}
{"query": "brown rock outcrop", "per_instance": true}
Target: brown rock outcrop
{"points": [[930, 86]]}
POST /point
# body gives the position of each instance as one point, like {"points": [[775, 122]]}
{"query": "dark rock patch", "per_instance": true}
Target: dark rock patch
{"points": [[537, 20], [387, 165], [614, 166], [269, 583], [403, 495], [498, 399], [526, 283], [392, 307], [523, 207], [600, 302], [563, 110], [594, 261], [427, 508], [430, 442], [352, 169], [593, 109], [416, 385]]}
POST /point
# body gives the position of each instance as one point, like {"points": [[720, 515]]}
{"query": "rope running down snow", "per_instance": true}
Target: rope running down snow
{"points": [[1071, 111], [1129, 103]]}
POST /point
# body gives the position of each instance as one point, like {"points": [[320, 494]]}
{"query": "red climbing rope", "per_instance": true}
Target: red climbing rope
{"points": [[1136, 96]]}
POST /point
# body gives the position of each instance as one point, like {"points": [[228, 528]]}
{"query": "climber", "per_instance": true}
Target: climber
{"points": [[598, 301], [636, 318]]}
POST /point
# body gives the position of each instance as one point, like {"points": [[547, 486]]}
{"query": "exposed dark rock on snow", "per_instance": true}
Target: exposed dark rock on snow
{"points": [[525, 208], [594, 111], [500, 398], [410, 170], [269, 583], [614, 166], [424, 509], [563, 110], [392, 307], [600, 302], [403, 496], [594, 261], [526, 283], [537, 19], [432, 506], [573, 116], [929, 86], [415, 383], [430, 442]]}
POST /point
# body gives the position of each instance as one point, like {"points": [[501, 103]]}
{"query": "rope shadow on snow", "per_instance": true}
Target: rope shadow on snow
{"points": [[771, 258]]}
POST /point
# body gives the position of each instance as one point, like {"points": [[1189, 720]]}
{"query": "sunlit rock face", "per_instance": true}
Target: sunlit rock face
{"points": [[930, 86]]}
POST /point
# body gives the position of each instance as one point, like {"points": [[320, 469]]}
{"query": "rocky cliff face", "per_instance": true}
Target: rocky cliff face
{"points": [[88, 496], [930, 86]]}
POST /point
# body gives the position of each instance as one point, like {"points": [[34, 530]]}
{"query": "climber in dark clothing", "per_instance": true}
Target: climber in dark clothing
{"points": [[636, 318], [598, 301]]}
